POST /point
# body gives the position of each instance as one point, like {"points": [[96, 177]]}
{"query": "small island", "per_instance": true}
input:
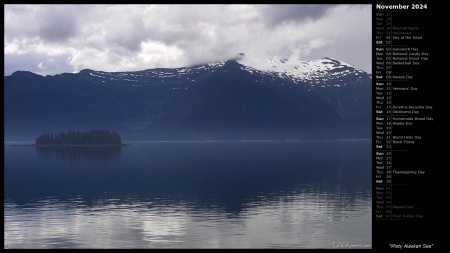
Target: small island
{"points": [[76, 138]]}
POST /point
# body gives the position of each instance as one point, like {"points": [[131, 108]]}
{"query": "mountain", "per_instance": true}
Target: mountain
{"points": [[241, 96]]}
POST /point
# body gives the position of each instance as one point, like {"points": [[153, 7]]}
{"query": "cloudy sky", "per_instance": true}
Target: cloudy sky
{"points": [[52, 39]]}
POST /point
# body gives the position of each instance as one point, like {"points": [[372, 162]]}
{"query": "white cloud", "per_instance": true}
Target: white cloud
{"points": [[41, 65]]}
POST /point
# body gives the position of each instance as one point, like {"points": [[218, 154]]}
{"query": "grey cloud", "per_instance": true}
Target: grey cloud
{"points": [[277, 14], [129, 35], [19, 22], [168, 28], [183, 25], [178, 37], [57, 23], [210, 53]]}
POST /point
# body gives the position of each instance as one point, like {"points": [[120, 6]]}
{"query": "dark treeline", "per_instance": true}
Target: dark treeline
{"points": [[95, 137]]}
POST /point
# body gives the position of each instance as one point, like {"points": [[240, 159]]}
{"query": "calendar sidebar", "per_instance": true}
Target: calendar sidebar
{"points": [[406, 127]]}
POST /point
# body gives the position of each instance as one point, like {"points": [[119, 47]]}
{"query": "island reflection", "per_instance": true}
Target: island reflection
{"points": [[78, 153]]}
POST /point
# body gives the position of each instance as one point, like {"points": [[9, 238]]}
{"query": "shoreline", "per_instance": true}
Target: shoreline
{"points": [[67, 145], [136, 142]]}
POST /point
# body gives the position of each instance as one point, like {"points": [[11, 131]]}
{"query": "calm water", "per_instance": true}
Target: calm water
{"points": [[210, 194]]}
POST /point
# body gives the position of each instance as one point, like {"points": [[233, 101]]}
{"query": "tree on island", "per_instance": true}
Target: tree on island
{"points": [[94, 137]]}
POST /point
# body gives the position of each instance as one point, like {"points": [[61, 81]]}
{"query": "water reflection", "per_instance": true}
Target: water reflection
{"points": [[77, 153], [225, 174], [190, 195], [306, 221]]}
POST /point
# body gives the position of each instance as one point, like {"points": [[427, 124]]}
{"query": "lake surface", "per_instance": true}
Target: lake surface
{"points": [[188, 194]]}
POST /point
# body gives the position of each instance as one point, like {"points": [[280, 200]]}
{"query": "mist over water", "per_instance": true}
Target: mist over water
{"points": [[189, 194]]}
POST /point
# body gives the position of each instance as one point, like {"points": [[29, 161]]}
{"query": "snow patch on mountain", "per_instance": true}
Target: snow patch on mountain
{"points": [[315, 72]]}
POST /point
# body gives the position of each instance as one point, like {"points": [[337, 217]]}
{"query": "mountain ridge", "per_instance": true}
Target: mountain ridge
{"points": [[327, 97]]}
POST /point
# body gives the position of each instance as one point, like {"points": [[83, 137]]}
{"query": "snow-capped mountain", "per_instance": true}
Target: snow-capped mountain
{"points": [[326, 71], [239, 95]]}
